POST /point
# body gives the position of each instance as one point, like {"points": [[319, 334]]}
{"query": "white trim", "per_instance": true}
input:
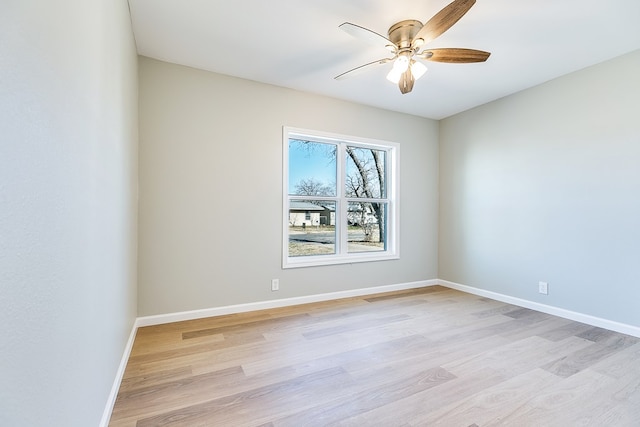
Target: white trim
{"points": [[556, 311], [351, 258], [285, 302], [108, 409]]}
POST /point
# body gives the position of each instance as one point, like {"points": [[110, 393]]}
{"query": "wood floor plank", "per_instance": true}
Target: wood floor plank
{"points": [[154, 378], [624, 404], [407, 293], [355, 326], [429, 356], [491, 405], [585, 357], [499, 308], [240, 408], [188, 357], [173, 393], [368, 399], [527, 315], [565, 330], [625, 362], [561, 403], [515, 358], [596, 334], [527, 328], [364, 358], [253, 327], [406, 411]]}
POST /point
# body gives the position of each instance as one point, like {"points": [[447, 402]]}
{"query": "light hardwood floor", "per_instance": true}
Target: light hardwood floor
{"points": [[426, 357]]}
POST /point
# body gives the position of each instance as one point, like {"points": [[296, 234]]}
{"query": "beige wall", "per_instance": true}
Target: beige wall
{"points": [[68, 171], [211, 156], [544, 185]]}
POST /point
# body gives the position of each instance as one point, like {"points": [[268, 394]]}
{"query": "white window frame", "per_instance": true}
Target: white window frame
{"points": [[392, 186]]}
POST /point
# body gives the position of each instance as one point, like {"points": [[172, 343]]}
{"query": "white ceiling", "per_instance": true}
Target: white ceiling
{"points": [[297, 44]]}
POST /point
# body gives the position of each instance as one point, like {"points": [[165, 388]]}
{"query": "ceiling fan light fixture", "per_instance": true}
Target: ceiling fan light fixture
{"points": [[394, 75], [407, 70], [418, 69], [400, 65]]}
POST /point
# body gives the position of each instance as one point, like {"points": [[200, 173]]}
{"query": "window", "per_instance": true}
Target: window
{"points": [[340, 199]]}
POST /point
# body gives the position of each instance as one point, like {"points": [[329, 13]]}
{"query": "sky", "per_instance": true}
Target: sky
{"points": [[305, 162]]}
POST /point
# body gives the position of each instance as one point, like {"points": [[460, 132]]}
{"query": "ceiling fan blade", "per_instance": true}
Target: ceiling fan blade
{"points": [[443, 20], [367, 35], [455, 55], [358, 70]]}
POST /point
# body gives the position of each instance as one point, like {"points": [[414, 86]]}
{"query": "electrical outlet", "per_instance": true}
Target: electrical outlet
{"points": [[543, 288], [275, 284]]}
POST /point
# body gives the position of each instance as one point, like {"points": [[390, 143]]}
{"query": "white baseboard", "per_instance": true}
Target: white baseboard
{"points": [[106, 415], [285, 302], [560, 312]]}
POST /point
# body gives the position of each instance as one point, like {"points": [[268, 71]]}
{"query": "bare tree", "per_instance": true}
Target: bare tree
{"points": [[313, 187], [368, 182]]}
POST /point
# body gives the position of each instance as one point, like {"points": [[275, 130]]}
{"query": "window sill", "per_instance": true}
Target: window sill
{"points": [[324, 260]]}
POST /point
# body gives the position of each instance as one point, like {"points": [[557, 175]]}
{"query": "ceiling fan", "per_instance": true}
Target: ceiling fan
{"points": [[407, 38]]}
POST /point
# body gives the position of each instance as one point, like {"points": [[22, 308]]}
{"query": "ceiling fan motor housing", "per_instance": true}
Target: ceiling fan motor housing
{"points": [[402, 33]]}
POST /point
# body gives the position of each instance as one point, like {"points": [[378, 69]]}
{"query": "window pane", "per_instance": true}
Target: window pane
{"points": [[366, 173], [367, 230], [312, 168], [312, 227]]}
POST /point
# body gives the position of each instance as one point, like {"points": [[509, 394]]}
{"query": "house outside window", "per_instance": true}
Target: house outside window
{"points": [[340, 199]]}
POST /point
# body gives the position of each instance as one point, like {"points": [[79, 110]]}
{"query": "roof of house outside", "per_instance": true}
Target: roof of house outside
{"points": [[299, 205]]}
